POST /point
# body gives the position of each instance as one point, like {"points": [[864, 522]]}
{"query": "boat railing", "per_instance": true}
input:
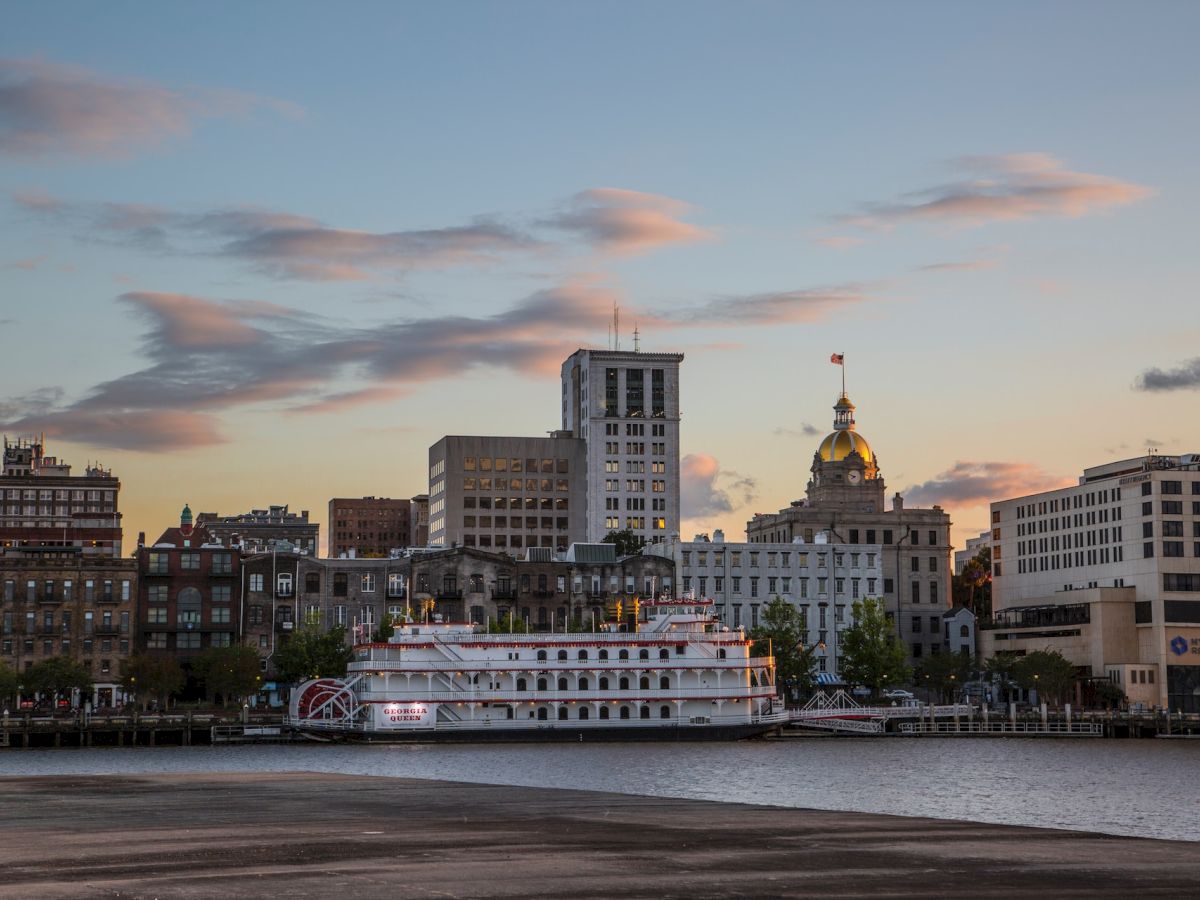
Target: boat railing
{"points": [[408, 662], [728, 693]]}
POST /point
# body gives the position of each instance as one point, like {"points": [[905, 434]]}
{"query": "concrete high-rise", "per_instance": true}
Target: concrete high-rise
{"points": [[624, 405]]}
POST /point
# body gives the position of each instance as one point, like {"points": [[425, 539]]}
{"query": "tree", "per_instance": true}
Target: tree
{"points": [[232, 672], [628, 543], [872, 655], [145, 675], [1108, 695], [1002, 669], [1048, 672], [8, 684], [310, 654], [509, 624], [58, 675], [975, 583], [944, 673], [387, 627], [782, 632]]}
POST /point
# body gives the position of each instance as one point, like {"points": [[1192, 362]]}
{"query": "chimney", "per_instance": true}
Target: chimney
{"points": [[897, 502]]}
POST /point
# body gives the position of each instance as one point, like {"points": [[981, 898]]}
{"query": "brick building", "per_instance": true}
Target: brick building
{"points": [[188, 592], [368, 526], [68, 604], [259, 529]]}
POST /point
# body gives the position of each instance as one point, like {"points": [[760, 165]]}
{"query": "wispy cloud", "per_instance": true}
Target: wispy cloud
{"points": [[968, 265], [627, 222], [1004, 188], [50, 110], [28, 264], [805, 431], [970, 483], [1185, 376], [837, 241], [705, 489]]}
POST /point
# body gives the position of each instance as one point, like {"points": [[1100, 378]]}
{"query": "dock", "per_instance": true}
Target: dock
{"points": [[309, 835]]}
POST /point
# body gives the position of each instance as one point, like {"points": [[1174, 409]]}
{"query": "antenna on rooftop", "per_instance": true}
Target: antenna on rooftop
{"points": [[616, 326], [637, 343]]}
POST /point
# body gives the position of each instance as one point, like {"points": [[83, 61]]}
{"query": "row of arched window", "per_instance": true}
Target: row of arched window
{"points": [[664, 653], [603, 684], [543, 714]]}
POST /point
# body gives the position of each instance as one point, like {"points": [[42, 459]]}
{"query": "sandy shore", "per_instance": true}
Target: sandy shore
{"points": [[316, 835]]}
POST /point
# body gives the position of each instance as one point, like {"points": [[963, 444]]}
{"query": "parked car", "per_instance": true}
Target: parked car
{"points": [[898, 694]]}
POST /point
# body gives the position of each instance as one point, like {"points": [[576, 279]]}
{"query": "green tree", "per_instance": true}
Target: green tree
{"points": [[628, 543], [944, 673], [152, 676], [58, 675], [1048, 672], [973, 588], [232, 672], [1001, 670], [781, 631], [311, 654], [387, 627], [872, 655], [1108, 695], [8, 684], [508, 624]]}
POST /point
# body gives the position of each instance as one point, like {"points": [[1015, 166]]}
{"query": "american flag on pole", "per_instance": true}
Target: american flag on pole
{"points": [[838, 359]]}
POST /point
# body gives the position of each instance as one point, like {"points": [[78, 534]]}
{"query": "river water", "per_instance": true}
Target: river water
{"points": [[1134, 787]]}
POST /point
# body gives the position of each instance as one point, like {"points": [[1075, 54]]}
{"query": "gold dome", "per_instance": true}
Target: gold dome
{"points": [[840, 444]]}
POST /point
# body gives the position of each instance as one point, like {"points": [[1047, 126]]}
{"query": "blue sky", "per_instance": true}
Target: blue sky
{"points": [[987, 208]]}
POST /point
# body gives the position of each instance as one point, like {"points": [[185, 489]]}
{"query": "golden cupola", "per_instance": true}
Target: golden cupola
{"points": [[844, 440]]}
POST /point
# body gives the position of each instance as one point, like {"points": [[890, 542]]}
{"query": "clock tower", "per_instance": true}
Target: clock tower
{"points": [[845, 471]]}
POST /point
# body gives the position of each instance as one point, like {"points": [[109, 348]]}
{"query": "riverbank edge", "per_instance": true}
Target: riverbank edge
{"points": [[312, 834]]}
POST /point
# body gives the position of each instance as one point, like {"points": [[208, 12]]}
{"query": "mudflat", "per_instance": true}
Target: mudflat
{"points": [[317, 835]]}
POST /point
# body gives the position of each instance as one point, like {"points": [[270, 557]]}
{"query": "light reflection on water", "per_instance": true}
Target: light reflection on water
{"points": [[1131, 787]]}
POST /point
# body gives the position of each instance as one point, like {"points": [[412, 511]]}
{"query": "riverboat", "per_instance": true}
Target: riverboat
{"points": [[672, 672]]}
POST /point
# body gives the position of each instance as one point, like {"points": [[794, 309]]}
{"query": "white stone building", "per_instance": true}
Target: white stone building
{"points": [[822, 580]]}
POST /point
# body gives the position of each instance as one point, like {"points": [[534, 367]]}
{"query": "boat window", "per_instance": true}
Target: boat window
{"points": [[562, 655], [624, 684], [603, 683], [583, 712], [664, 683], [541, 656], [604, 654], [583, 654], [643, 653], [542, 714], [624, 654], [583, 684], [604, 712], [664, 653], [644, 684], [541, 684], [562, 712], [521, 684], [721, 653], [624, 712], [562, 684], [645, 712], [665, 712]]}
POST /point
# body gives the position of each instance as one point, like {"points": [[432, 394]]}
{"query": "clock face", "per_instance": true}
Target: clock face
{"points": [[854, 476]]}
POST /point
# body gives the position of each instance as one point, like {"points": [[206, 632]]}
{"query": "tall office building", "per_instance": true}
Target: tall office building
{"points": [[624, 406], [1107, 572]]}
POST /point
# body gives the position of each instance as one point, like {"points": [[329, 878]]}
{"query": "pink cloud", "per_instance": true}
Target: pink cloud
{"points": [[972, 483], [1006, 188], [51, 109], [151, 431], [700, 495], [628, 222]]}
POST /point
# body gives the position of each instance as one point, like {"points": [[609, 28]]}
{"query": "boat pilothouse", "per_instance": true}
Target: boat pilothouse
{"points": [[672, 672]]}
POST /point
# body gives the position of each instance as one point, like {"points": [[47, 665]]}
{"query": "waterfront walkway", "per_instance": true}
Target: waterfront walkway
{"points": [[309, 835]]}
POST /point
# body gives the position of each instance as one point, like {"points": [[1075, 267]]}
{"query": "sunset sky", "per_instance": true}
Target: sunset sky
{"points": [[270, 252]]}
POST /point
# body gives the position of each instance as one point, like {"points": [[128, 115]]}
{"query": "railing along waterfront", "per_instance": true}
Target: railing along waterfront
{"points": [[567, 665], [1059, 729]]}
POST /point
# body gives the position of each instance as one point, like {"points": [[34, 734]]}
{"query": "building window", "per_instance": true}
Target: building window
{"points": [[256, 582], [189, 562]]}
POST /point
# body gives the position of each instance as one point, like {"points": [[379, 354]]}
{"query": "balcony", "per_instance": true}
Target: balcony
{"points": [[106, 629], [449, 594], [508, 593], [1039, 616], [108, 598], [50, 599]]}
